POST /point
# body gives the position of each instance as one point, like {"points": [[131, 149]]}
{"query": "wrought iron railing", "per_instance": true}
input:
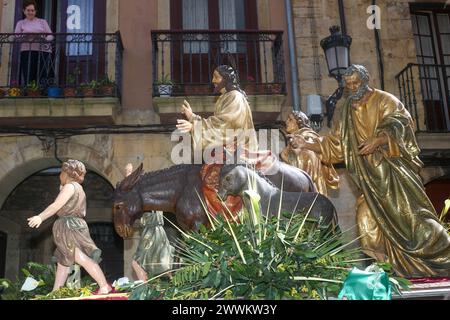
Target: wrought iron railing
{"points": [[425, 91], [60, 65], [184, 61]]}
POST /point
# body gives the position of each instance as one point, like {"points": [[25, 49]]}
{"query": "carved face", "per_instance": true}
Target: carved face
{"points": [[353, 83], [291, 124], [232, 183], [219, 82], [127, 206]]}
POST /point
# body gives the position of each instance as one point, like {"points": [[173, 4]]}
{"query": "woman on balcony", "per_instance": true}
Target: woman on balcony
{"points": [[35, 51]]}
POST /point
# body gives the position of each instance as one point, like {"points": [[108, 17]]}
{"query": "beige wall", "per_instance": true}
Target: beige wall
{"points": [[397, 41]]}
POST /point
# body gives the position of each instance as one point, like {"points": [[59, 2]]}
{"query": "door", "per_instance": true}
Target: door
{"points": [[83, 56], [432, 35], [195, 55], [3, 244]]}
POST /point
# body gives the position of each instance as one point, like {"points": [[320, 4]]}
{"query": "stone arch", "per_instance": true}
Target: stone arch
{"points": [[26, 156]]}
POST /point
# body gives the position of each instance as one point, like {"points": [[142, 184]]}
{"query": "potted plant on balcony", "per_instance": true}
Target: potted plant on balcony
{"points": [[275, 88], [71, 80], [89, 89], [14, 91], [54, 91], [107, 86], [33, 89], [250, 85], [165, 86]]}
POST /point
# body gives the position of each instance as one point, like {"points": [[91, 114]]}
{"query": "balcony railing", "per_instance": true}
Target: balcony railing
{"points": [[61, 65], [425, 91], [184, 61]]}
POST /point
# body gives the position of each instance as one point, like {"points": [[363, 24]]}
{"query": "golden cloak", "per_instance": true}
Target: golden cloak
{"points": [[324, 176], [394, 215], [231, 124]]}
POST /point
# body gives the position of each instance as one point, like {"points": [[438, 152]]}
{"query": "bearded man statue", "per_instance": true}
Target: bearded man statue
{"points": [[375, 139]]}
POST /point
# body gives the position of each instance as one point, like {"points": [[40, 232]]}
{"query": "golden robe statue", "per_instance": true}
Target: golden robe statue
{"points": [[230, 126], [394, 215], [323, 175]]}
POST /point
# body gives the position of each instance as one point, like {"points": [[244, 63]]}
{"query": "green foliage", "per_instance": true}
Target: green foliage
{"points": [[33, 86], [290, 258], [72, 77], [68, 293], [165, 80], [91, 85], [107, 82], [44, 274]]}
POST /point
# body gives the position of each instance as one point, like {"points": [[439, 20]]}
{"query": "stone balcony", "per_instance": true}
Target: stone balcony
{"points": [[61, 112]]}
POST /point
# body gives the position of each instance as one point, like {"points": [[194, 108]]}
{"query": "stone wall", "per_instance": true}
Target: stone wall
{"points": [[314, 18]]}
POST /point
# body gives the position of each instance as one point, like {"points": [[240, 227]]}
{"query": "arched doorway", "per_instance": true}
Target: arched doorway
{"points": [[111, 245], [438, 191], [33, 195], [3, 244]]}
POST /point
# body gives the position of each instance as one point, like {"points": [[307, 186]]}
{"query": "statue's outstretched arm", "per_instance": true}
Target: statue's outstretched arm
{"points": [[64, 195]]}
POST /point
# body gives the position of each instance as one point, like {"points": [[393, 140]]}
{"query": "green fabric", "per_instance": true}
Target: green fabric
{"points": [[154, 253], [366, 285]]}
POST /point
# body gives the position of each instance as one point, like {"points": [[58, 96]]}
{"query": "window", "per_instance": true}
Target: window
{"points": [[205, 42], [432, 36], [80, 19]]}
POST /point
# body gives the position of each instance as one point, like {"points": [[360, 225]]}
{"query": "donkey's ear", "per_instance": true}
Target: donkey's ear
{"points": [[129, 182]]}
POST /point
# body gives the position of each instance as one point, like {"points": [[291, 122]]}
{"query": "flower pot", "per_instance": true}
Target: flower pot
{"points": [[33, 93], [88, 92], [108, 91], [250, 88], [70, 92], [276, 88], [165, 90], [14, 92], [54, 92]]}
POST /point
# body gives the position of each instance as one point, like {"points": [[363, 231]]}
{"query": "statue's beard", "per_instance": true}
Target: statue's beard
{"points": [[220, 86], [360, 93]]}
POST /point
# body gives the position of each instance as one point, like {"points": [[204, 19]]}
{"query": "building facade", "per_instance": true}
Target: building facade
{"points": [[158, 53]]}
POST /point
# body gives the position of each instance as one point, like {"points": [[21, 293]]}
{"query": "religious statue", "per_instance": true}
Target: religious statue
{"points": [[324, 176], [154, 254], [231, 126], [229, 131], [70, 231], [375, 138]]}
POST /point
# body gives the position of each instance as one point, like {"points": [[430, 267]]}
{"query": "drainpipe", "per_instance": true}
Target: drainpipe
{"points": [[292, 57], [342, 17]]}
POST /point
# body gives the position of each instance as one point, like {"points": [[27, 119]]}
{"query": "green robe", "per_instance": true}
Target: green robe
{"points": [[154, 253]]}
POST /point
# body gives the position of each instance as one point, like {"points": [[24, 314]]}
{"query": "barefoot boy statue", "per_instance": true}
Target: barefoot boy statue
{"points": [[70, 232]]}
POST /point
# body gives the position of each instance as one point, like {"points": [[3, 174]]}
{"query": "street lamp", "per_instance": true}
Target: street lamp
{"points": [[337, 52]]}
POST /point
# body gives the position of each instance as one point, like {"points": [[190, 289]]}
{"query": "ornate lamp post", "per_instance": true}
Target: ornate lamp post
{"points": [[337, 53]]}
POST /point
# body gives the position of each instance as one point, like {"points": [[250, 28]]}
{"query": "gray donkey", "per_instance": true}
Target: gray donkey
{"points": [[234, 182]]}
